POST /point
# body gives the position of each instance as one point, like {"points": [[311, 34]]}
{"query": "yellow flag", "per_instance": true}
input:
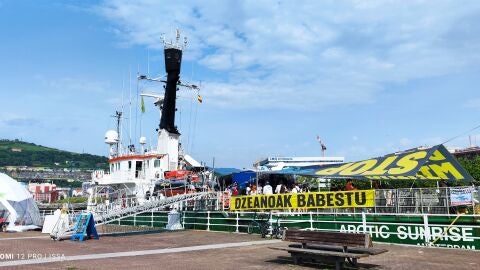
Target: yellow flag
{"points": [[142, 106], [199, 98]]}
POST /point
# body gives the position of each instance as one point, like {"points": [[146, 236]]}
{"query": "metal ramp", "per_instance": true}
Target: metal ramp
{"points": [[115, 213]]}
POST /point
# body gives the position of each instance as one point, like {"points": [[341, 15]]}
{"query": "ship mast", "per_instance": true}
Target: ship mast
{"points": [[118, 116], [173, 61], [168, 134]]}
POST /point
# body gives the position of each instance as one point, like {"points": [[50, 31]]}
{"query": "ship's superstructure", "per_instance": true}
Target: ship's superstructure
{"points": [[138, 171]]}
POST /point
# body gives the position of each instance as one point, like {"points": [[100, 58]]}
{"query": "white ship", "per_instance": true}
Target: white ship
{"points": [[139, 174]]}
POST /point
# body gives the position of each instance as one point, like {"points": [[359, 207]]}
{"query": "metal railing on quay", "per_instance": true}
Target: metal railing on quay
{"points": [[399, 201]]}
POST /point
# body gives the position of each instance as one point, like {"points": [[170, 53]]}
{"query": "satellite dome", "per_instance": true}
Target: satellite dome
{"points": [[111, 137], [143, 140]]}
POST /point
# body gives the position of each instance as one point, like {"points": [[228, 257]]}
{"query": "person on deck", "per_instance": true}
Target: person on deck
{"points": [[267, 189], [278, 188], [234, 191], [249, 189], [349, 185], [254, 190]]}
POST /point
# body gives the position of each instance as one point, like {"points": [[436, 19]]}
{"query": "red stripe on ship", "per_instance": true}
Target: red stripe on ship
{"points": [[134, 157]]}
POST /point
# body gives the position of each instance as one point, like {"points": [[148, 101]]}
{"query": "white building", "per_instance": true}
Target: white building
{"points": [[278, 163]]}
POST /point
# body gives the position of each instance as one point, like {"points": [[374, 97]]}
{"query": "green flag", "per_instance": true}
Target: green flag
{"points": [[142, 106]]}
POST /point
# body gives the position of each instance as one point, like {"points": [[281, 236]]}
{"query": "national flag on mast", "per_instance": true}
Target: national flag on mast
{"points": [[199, 98]]}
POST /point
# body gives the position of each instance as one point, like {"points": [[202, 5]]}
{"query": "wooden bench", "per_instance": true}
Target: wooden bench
{"points": [[328, 247]]}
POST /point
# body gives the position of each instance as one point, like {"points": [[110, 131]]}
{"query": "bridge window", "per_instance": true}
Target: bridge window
{"points": [[129, 165], [156, 164]]}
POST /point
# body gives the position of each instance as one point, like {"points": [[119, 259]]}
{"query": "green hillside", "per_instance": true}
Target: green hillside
{"points": [[19, 153]]}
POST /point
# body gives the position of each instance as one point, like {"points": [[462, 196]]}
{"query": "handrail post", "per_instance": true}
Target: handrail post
{"points": [[208, 220], [237, 225], [311, 221], [397, 201], [364, 222], [426, 229], [421, 200], [151, 219]]}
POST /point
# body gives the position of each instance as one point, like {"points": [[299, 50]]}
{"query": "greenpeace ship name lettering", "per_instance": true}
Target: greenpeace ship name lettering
{"points": [[454, 238]]}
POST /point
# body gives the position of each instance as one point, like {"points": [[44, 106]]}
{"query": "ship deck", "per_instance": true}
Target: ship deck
{"points": [[191, 249]]}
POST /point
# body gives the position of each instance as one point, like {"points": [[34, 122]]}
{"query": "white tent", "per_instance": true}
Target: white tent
{"points": [[17, 205]]}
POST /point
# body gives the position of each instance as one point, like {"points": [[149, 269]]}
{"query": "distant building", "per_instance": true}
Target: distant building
{"points": [[16, 150], [469, 152], [44, 192], [63, 193], [77, 192], [278, 163]]}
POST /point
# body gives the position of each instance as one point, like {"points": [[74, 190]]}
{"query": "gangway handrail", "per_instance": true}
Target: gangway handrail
{"points": [[101, 219], [145, 207]]}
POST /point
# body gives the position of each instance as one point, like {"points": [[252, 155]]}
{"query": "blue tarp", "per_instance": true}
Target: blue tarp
{"points": [[242, 178]]}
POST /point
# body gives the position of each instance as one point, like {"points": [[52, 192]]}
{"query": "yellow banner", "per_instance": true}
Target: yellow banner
{"points": [[339, 199], [434, 163]]}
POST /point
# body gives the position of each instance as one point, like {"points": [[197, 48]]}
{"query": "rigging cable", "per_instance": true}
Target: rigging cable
{"points": [[190, 128], [194, 125], [455, 137], [141, 115], [136, 110]]}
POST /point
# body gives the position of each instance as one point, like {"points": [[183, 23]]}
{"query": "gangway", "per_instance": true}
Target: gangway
{"points": [[113, 212]]}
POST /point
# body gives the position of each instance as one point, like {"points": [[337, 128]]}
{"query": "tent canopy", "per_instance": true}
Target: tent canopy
{"points": [[17, 203], [11, 190], [434, 163]]}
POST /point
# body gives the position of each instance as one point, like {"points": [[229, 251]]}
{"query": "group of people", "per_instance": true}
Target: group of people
{"points": [[266, 189]]}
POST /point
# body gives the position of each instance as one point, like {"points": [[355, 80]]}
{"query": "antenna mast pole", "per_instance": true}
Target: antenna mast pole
{"points": [[118, 115], [322, 146]]}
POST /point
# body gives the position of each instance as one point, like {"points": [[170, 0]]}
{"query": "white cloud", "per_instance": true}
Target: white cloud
{"points": [[405, 142], [473, 103], [73, 85], [308, 54], [432, 141], [10, 120]]}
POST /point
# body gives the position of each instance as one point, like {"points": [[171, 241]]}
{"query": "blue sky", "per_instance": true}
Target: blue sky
{"points": [[368, 77]]}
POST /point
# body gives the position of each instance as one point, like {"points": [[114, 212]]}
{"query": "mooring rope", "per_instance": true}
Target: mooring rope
{"points": [[446, 229]]}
